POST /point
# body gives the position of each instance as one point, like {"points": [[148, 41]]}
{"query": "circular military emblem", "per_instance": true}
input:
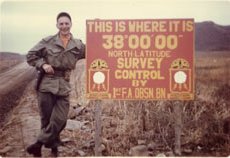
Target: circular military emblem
{"points": [[180, 77], [98, 77]]}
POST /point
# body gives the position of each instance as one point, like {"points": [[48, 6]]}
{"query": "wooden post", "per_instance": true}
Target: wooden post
{"points": [[97, 137], [177, 126]]}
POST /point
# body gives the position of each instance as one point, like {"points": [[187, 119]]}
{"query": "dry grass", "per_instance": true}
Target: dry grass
{"points": [[213, 67], [126, 122]]}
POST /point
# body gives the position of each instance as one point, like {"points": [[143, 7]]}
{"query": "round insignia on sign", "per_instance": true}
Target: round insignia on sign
{"points": [[99, 77], [180, 77]]}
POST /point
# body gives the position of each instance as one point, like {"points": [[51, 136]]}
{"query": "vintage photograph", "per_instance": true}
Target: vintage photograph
{"points": [[148, 78]]}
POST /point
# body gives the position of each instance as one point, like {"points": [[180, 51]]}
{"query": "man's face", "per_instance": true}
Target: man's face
{"points": [[64, 24]]}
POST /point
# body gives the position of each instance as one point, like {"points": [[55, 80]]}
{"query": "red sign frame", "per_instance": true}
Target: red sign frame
{"points": [[140, 59]]}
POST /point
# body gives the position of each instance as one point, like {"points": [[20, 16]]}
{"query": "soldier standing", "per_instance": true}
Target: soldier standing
{"points": [[56, 56]]}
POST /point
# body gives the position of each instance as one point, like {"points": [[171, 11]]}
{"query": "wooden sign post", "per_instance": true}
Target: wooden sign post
{"points": [[98, 126]]}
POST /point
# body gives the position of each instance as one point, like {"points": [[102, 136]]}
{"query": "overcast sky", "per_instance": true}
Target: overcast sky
{"points": [[24, 23]]}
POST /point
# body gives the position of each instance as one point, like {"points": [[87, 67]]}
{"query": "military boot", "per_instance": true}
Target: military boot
{"points": [[54, 151], [35, 149]]}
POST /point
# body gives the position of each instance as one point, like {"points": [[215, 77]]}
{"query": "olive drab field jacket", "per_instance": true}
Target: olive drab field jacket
{"points": [[51, 51]]}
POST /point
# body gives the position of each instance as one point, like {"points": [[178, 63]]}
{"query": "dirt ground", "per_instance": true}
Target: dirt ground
{"points": [[21, 123], [23, 126]]}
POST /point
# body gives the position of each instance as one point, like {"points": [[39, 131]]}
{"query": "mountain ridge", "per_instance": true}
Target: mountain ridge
{"points": [[210, 36]]}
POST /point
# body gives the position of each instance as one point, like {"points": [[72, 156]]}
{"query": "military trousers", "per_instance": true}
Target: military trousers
{"points": [[54, 113]]}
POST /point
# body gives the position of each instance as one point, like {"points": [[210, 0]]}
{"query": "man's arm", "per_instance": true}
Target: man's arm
{"points": [[81, 47], [36, 58], [36, 55], [82, 51]]}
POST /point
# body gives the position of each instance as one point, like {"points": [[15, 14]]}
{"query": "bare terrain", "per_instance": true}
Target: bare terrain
{"points": [[14, 77], [8, 60], [12, 85], [131, 128]]}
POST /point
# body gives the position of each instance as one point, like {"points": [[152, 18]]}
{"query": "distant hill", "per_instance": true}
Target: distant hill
{"points": [[9, 59], [210, 36], [11, 56]]}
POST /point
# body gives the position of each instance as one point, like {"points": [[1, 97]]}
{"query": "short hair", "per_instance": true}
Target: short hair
{"points": [[63, 14]]}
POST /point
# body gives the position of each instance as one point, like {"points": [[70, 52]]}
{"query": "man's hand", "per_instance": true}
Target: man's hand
{"points": [[48, 68]]}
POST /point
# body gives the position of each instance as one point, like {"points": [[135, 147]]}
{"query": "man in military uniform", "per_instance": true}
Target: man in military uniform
{"points": [[56, 56]]}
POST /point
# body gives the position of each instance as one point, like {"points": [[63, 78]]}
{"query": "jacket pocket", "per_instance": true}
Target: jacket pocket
{"points": [[75, 52], [70, 58], [54, 57], [53, 52]]}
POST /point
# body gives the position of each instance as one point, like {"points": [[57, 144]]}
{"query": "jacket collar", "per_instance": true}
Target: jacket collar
{"points": [[72, 43]]}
